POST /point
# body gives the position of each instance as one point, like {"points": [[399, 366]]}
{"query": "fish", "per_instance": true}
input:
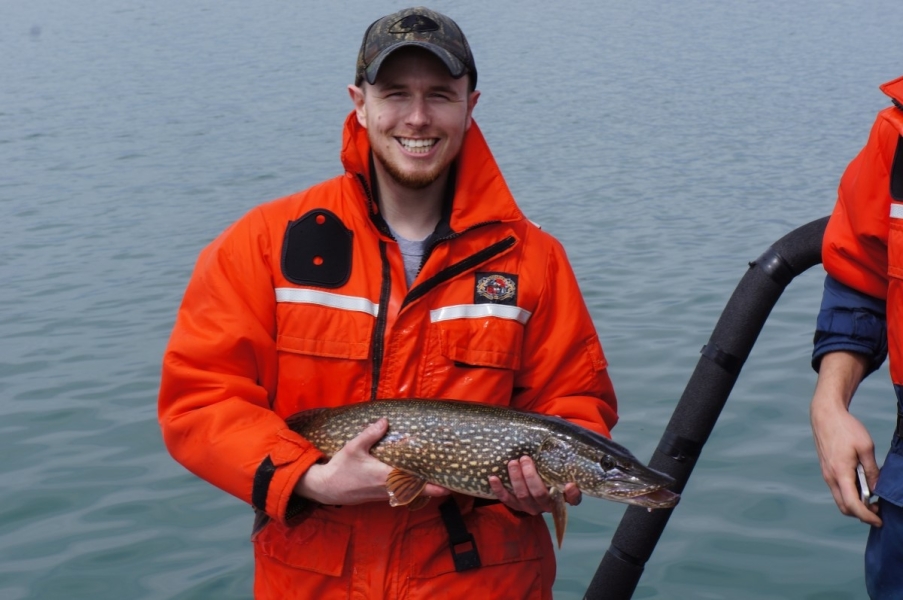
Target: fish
{"points": [[458, 445]]}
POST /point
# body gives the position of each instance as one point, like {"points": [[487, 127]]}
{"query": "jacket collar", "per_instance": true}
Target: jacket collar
{"points": [[481, 194], [894, 89]]}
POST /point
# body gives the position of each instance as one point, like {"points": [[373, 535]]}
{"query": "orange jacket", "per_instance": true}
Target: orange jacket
{"points": [[303, 303], [863, 242]]}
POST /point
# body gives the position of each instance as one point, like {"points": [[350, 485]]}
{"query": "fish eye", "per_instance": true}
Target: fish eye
{"points": [[608, 464]]}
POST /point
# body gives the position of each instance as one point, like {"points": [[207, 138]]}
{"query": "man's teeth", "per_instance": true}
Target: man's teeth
{"points": [[418, 145]]}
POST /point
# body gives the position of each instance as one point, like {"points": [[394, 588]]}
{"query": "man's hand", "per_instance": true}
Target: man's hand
{"points": [[353, 475], [841, 440], [530, 494]]}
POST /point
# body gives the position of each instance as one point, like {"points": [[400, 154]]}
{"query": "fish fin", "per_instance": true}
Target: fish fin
{"points": [[559, 514], [419, 502], [403, 487]]}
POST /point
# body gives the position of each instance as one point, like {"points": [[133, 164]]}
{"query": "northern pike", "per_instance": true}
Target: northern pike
{"points": [[458, 445]]}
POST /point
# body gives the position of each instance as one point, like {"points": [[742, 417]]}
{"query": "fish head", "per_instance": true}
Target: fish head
{"points": [[629, 482], [611, 472]]}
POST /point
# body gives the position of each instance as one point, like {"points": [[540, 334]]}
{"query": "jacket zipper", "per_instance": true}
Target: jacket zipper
{"points": [[379, 330], [377, 344], [459, 267]]}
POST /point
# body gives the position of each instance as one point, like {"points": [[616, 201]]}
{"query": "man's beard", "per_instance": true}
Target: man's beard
{"points": [[411, 181]]}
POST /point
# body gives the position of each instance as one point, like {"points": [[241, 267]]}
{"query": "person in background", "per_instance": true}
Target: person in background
{"points": [[413, 274], [859, 324]]}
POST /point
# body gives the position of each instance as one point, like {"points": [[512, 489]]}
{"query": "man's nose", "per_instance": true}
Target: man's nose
{"points": [[418, 115]]}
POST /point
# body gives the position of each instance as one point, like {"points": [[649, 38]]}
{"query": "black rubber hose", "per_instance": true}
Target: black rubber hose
{"points": [[702, 401]]}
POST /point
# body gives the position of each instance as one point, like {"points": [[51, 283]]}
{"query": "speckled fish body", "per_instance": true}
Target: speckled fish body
{"points": [[459, 445]]}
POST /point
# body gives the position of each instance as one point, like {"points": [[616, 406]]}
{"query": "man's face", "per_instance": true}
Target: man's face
{"points": [[416, 115]]}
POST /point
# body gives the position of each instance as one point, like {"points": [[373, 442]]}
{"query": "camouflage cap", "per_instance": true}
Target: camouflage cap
{"points": [[419, 27]]}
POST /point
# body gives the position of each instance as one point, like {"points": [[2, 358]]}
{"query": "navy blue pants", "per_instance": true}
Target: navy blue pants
{"points": [[884, 550], [884, 555]]}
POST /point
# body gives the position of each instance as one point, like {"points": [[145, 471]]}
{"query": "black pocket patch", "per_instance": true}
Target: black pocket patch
{"points": [[317, 250]]}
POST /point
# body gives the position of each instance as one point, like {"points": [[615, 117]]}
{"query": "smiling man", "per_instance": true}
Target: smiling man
{"points": [[414, 274], [416, 114]]}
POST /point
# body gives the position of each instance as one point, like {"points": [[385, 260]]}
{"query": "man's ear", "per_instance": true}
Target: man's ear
{"points": [[357, 97], [471, 103]]}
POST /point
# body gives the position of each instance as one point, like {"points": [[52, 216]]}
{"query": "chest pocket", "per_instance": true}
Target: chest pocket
{"points": [[318, 323], [485, 342], [326, 336], [476, 352], [323, 345]]}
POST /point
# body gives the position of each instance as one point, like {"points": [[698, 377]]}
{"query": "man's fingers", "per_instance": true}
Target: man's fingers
{"points": [[434, 491], [523, 473], [870, 467], [851, 504], [535, 484], [529, 492], [572, 494], [518, 498], [368, 436], [867, 513], [518, 485], [495, 484]]}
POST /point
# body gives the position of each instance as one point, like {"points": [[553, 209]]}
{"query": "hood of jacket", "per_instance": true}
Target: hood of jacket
{"points": [[481, 194], [894, 89]]}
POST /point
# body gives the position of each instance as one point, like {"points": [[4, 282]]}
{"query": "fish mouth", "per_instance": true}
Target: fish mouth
{"points": [[659, 498], [647, 489]]}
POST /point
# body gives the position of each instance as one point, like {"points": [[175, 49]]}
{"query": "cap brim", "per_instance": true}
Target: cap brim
{"points": [[455, 67]]}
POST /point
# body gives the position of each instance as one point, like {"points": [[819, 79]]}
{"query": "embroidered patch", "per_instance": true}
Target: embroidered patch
{"points": [[495, 288], [414, 24]]}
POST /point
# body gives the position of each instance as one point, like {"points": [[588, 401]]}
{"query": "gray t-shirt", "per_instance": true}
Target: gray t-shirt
{"points": [[411, 253]]}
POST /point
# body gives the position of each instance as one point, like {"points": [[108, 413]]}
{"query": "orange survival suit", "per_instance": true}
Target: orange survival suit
{"points": [[303, 303]]}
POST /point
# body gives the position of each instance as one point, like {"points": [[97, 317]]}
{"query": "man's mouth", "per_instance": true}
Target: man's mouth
{"points": [[418, 145]]}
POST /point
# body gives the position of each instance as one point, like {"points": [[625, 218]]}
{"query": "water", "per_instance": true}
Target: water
{"points": [[666, 145]]}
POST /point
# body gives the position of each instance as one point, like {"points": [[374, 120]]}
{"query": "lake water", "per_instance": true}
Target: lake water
{"points": [[665, 144]]}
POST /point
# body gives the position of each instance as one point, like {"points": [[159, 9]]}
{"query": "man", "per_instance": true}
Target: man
{"points": [[412, 275], [860, 323]]}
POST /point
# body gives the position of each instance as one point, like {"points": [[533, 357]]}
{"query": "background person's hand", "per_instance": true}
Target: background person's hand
{"points": [[841, 440]]}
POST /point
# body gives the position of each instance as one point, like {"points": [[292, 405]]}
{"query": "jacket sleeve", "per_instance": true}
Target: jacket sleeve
{"points": [[564, 370], [219, 376], [851, 321]]}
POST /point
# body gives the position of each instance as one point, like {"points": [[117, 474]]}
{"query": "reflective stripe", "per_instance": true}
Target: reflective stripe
{"points": [[896, 210], [304, 296], [478, 311]]}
